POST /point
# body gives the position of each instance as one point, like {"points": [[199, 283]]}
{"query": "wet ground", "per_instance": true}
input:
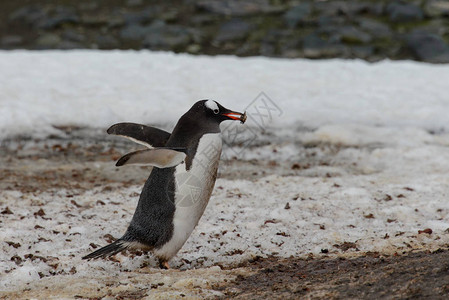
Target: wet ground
{"points": [[421, 275], [65, 163]]}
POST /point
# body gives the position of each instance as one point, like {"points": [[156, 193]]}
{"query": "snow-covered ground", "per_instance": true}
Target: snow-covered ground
{"points": [[349, 157], [39, 89]]}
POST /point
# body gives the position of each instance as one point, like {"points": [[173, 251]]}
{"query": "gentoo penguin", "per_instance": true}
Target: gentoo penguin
{"points": [[178, 189]]}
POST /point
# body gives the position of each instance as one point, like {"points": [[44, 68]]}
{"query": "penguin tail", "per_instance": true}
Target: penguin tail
{"points": [[109, 250]]}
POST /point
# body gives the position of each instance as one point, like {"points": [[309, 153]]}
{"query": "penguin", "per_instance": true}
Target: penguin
{"points": [[177, 191]]}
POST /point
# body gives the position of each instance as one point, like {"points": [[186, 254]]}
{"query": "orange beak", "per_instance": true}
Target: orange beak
{"points": [[236, 116]]}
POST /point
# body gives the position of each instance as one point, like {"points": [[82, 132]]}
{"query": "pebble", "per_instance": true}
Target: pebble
{"points": [[428, 47], [166, 37], [375, 28], [11, 40], [404, 12], [298, 14], [48, 41], [107, 42], [235, 29], [437, 8], [352, 35]]}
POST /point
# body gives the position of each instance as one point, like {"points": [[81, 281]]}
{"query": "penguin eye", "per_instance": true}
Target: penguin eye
{"points": [[212, 105]]}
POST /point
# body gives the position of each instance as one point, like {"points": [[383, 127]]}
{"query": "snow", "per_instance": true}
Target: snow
{"points": [[91, 88], [350, 152]]}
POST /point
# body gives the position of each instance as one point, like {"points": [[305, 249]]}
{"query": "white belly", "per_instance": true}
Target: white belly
{"points": [[193, 190]]}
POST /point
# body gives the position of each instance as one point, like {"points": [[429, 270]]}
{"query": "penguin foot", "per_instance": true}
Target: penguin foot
{"points": [[163, 264]]}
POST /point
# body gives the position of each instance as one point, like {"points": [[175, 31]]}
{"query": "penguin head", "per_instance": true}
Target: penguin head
{"points": [[203, 117], [214, 112]]}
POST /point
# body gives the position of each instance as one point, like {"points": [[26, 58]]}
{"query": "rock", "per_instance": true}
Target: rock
{"points": [[169, 16], [166, 37], [144, 16], [269, 42], [314, 42], [289, 47], [106, 41], [247, 49], [48, 41], [134, 32], [363, 52], [437, 8], [198, 36], [157, 32], [133, 2], [330, 25], [69, 45], [61, 15], [316, 47], [237, 8], [376, 29], [352, 35], [292, 53], [72, 35], [94, 20], [298, 14], [393, 50], [376, 9], [404, 12], [201, 20], [435, 26], [167, 41], [193, 49], [88, 6], [428, 47], [331, 8], [233, 30], [29, 15], [115, 21], [339, 28], [134, 18], [347, 8], [267, 49], [11, 40]]}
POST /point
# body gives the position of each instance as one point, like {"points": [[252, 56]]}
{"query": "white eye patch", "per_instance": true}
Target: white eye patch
{"points": [[211, 104]]}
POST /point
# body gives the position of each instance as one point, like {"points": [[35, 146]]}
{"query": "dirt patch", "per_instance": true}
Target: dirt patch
{"points": [[373, 276]]}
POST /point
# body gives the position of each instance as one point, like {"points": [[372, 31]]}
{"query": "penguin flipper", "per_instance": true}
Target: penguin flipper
{"points": [[109, 250], [142, 134], [160, 157]]}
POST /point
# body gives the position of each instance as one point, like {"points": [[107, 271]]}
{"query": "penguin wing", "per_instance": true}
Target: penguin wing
{"points": [[160, 157], [142, 134]]}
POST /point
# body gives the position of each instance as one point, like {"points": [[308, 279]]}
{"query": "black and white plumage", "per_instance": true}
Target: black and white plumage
{"points": [[178, 189]]}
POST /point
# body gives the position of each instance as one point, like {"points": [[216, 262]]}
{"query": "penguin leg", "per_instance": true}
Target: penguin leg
{"points": [[163, 264]]}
